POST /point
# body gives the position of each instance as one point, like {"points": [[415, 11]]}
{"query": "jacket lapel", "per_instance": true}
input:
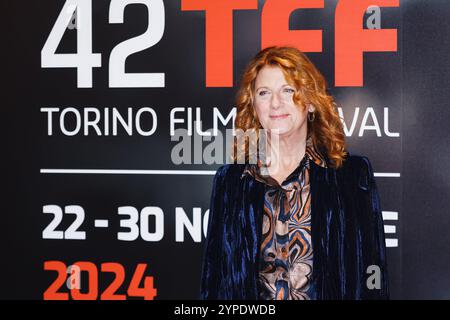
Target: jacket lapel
{"points": [[326, 233], [254, 212], [245, 225]]}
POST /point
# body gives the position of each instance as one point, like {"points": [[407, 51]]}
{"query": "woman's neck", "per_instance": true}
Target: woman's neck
{"points": [[286, 151]]}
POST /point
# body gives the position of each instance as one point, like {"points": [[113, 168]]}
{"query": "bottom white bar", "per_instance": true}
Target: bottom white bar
{"points": [[390, 243]]}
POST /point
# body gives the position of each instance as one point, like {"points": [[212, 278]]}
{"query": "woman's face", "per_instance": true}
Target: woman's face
{"points": [[274, 103]]}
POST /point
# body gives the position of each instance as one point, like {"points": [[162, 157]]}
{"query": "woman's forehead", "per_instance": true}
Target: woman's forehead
{"points": [[270, 76]]}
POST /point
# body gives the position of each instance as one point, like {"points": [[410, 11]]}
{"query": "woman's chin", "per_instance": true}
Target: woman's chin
{"points": [[279, 130]]}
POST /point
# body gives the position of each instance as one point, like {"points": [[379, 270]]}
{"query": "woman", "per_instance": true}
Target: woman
{"points": [[305, 223]]}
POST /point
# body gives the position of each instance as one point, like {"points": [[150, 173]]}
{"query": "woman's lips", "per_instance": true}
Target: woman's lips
{"points": [[280, 116]]}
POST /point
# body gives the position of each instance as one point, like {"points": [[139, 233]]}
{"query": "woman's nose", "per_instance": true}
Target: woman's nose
{"points": [[276, 100]]}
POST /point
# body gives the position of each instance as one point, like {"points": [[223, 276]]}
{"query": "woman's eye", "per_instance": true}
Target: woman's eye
{"points": [[290, 90], [261, 93]]}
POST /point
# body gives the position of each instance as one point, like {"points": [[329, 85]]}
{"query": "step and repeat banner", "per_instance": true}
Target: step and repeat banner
{"points": [[100, 183]]}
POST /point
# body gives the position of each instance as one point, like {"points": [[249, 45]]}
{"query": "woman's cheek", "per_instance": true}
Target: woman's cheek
{"points": [[262, 113]]}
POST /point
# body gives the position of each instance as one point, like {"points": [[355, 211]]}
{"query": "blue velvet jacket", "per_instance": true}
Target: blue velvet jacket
{"points": [[347, 233]]}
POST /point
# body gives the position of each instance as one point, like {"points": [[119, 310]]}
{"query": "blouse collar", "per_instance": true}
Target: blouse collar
{"points": [[312, 153]]}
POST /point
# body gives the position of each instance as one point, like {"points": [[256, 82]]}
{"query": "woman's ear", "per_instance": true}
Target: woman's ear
{"points": [[311, 108]]}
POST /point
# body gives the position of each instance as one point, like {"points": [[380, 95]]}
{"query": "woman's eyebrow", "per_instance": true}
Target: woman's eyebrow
{"points": [[284, 85]]}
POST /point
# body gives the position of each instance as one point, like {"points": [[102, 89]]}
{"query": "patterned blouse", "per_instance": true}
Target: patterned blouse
{"points": [[286, 248]]}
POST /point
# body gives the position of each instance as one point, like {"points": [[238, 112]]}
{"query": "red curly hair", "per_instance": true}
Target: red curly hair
{"points": [[326, 130]]}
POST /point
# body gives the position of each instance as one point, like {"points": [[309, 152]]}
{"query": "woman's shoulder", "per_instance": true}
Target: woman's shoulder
{"points": [[228, 178], [230, 170], [358, 166], [357, 160]]}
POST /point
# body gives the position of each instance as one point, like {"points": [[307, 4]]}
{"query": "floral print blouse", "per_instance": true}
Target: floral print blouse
{"points": [[286, 250]]}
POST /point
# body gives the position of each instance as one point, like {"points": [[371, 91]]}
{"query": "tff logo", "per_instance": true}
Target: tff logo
{"points": [[351, 39]]}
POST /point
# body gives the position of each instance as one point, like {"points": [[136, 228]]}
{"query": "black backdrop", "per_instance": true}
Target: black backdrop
{"points": [[405, 90]]}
